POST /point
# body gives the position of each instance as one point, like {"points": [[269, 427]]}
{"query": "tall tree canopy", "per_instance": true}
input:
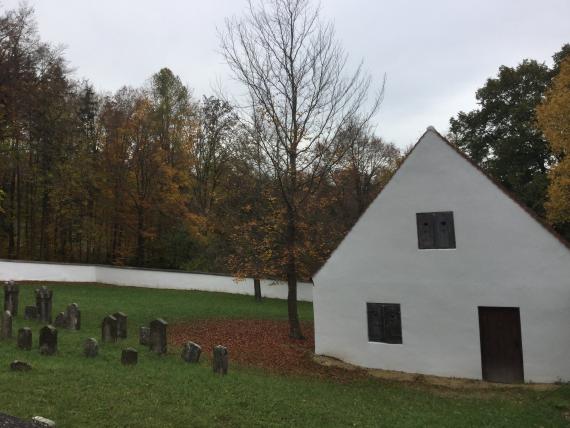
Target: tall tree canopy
{"points": [[554, 120], [149, 176], [501, 134]]}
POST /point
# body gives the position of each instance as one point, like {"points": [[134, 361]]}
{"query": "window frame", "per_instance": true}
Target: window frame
{"points": [[436, 241], [383, 333]]}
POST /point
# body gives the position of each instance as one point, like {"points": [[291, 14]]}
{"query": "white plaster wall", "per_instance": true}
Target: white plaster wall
{"points": [[503, 258], [34, 271], [26, 271]]}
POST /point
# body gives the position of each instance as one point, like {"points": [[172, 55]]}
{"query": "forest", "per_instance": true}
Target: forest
{"points": [[154, 176]]}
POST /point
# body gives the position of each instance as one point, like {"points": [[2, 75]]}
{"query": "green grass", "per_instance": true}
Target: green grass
{"points": [[166, 392]]}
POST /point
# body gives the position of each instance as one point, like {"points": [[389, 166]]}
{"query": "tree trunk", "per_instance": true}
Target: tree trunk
{"points": [[294, 324], [257, 289], [140, 237]]}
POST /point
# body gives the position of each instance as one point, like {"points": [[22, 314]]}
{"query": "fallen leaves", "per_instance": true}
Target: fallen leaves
{"points": [[260, 343]]}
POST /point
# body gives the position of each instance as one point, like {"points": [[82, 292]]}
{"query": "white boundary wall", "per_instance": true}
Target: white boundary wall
{"points": [[148, 278]]}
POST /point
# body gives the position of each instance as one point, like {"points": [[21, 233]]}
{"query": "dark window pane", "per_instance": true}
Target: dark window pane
{"points": [[426, 233], [445, 233], [374, 311]]}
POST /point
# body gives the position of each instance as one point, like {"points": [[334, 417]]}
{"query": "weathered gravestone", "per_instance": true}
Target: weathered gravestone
{"points": [[60, 320], [25, 338], [191, 352], [43, 303], [11, 293], [48, 340], [144, 335], [257, 289], [20, 366], [30, 313], [109, 329], [158, 336], [91, 347], [220, 360], [6, 331], [73, 317], [129, 356], [121, 325]]}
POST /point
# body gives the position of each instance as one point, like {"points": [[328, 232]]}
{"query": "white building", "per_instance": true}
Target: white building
{"points": [[446, 274]]}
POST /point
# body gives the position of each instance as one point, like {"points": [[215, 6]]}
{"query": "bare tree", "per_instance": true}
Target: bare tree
{"points": [[300, 96], [369, 163]]}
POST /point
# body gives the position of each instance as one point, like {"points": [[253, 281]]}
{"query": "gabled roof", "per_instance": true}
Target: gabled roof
{"points": [[502, 188], [505, 191]]}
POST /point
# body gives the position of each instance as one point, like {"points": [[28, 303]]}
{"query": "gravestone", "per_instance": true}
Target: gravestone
{"points": [[91, 347], [43, 303], [257, 289], [191, 352], [60, 320], [6, 331], [121, 325], [158, 336], [30, 313], [11, 293], [19, 366], [129, 356], [220, 360], [73, 317], [109, 329], [25, 338], [144, 335], [48, 340]]}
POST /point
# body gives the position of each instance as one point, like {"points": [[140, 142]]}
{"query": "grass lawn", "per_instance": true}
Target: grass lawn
{"points": [[163, 391]]}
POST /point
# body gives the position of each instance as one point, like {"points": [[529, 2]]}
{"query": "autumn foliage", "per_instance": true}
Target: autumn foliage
{"points": [[147, 176], [554, 120]]}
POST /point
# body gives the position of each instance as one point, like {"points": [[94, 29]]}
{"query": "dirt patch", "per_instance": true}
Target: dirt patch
{"points": [[261, 343], [446, 382]]}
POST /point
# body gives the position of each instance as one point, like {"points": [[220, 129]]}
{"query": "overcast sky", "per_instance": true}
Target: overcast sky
{"points": [[435, 53]]}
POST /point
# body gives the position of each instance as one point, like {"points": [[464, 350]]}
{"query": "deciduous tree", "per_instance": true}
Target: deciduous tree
{"points": [[554, 120], [299, 96]]}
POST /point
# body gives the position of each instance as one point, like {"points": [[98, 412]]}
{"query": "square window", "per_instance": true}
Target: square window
{"points": [[435, 230], [384, 322]]}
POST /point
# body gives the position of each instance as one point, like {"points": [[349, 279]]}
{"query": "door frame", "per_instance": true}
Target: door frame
{"points": [[519, 328]]}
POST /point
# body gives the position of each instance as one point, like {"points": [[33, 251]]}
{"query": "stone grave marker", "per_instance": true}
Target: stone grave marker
{"points": [[91, 348], [144, 335], [60, 320], [48, 340], [25, 338], [30, 313], [11, 296], [220, 360], [20, 366], [191, 352], [109, 329], [158, 336], [129, 356], [121, 325], [73, 317], [43, 303], [6, 325]]}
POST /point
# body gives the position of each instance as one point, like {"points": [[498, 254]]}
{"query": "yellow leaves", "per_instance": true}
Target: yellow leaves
{"points": [[558, 205], [554, 120]]}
